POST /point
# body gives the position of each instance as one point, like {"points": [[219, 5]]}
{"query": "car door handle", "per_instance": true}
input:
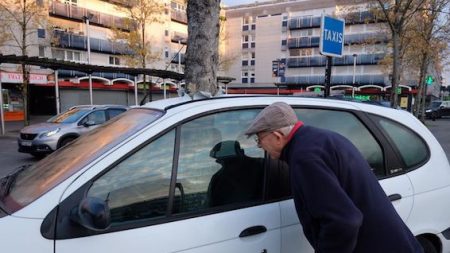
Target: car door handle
{"points": [[253, 231], [394, 197]]}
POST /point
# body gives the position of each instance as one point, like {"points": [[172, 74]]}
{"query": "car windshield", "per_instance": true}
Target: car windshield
{"points": [[28, 184], [69, 116], [436, 104]]}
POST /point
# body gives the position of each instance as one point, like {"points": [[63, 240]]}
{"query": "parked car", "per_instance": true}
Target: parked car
{"points": [[44, 138], [438, 109], [180, 176]]}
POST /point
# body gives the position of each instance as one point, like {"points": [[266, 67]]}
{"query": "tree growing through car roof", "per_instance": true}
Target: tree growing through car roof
{"points": [[202, 54], [141, 15], [20, 21]]}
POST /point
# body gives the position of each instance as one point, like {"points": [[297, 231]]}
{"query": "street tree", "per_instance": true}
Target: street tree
{"points": [[141, 15], [202, 56], [397, 14], [23, 17], [427, 39]]}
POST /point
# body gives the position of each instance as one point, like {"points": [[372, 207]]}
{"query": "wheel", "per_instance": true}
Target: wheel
{"points": [[66, 141], [427, 245], [434, 116]]}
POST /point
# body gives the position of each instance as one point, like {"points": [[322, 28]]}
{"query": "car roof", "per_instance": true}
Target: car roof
{"points": [[185, 102], [93, 107]]}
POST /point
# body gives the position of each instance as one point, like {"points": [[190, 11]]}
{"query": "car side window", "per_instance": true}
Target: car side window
{"points": [[138, 187], [348, 125], [411, 147], [218, 165], [95, 118], [114, 112]]}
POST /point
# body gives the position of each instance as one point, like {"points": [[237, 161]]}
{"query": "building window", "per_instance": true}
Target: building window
{"points": [[284, 23], [253, 55], [71, 2], [252, 62], [166, 33], [245, 28], [113, 60], [166, 52], [244, 80], [41, 51], [252, 80], [245, 63], [253, 45], [41, 33], [58, 54], [254, 27], [245, 38], [283, 42], [245, 45]]}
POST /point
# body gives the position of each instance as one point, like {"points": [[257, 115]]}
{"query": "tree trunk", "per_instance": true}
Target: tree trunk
{"points": [[25, 92], [422, 86], [395, 69], [25, 73], [202, 51]]}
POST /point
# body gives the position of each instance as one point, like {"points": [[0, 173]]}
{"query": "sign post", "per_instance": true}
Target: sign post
{"points": [[331, 44], [2, 118]]}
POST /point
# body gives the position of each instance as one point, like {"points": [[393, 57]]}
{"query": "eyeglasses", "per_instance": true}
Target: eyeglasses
{"points": [[262, 136]]}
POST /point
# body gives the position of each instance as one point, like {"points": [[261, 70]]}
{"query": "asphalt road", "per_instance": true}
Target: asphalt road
{"points": [[11, 159]]}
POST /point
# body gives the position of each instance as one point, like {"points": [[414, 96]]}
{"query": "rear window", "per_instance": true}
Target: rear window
{"points": [[32, 182]]}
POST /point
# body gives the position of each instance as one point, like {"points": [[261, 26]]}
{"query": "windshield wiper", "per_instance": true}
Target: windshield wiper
{"points": [[7, 181]]}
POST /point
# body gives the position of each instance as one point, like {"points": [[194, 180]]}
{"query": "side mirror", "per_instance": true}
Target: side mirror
{"points": [[92, 213], [88, 123]]}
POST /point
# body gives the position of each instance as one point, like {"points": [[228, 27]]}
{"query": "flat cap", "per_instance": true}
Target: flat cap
{"points": [[273, 117]]}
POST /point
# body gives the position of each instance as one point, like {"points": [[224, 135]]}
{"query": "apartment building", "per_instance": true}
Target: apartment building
{"points": [[65, 37], [277, 43]]}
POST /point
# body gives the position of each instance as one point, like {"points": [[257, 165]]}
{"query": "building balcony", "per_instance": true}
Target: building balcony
{"points": [[70, 40], [73, 73], [179, 37], [175, 58], [353, 18], [336, 80], [369, 38], [77, 13], [346, 60], [178, 16]]}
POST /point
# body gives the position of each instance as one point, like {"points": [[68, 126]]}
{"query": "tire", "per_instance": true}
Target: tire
{"points": [[427, 245], [66, 141]]}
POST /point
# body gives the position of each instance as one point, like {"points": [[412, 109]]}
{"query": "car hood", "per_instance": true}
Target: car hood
{"points": [[41, 127]]}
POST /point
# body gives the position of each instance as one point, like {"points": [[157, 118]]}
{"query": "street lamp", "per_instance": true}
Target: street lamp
{"points": [[87, 19], [354, 75]]}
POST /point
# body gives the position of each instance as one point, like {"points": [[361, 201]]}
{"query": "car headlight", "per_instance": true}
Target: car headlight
{"points": [[50, 133], [428, 110]]}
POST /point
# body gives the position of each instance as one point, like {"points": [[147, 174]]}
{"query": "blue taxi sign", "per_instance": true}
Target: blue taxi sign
{"points": [[332, 36]]}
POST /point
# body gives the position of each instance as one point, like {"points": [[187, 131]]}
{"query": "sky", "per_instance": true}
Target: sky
{"points": [[237, 2]]}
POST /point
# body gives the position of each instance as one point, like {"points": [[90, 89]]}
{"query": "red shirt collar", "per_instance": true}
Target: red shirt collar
{"points": [[296, 127]]}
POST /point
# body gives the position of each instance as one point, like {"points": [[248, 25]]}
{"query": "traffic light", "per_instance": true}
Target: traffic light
{"points": [[429, 80]]}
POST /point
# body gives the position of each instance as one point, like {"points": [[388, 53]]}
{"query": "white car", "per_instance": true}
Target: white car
{"points": [[180, 176]]}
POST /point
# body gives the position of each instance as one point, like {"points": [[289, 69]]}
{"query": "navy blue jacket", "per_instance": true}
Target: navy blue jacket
{"points": [[338, 199]]}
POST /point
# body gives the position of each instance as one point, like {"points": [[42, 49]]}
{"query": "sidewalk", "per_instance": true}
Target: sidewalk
{"points": [[12, 128]]}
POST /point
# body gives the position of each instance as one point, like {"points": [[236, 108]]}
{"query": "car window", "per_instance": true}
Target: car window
{"points": [[69, 116], [39, 178], [348, 125], [411, 147], [96, 117], [218, 165], [138, 187], [113, 112]]}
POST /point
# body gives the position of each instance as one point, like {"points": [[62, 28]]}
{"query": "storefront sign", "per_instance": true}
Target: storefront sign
{"points": [[9, 77]]}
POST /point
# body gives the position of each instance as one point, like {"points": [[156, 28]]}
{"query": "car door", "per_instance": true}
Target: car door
{"points": [[170, 195], [91, 121], [371, 143]]}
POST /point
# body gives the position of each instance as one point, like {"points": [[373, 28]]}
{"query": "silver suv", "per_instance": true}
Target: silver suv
{"points": [[43, 138]]}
